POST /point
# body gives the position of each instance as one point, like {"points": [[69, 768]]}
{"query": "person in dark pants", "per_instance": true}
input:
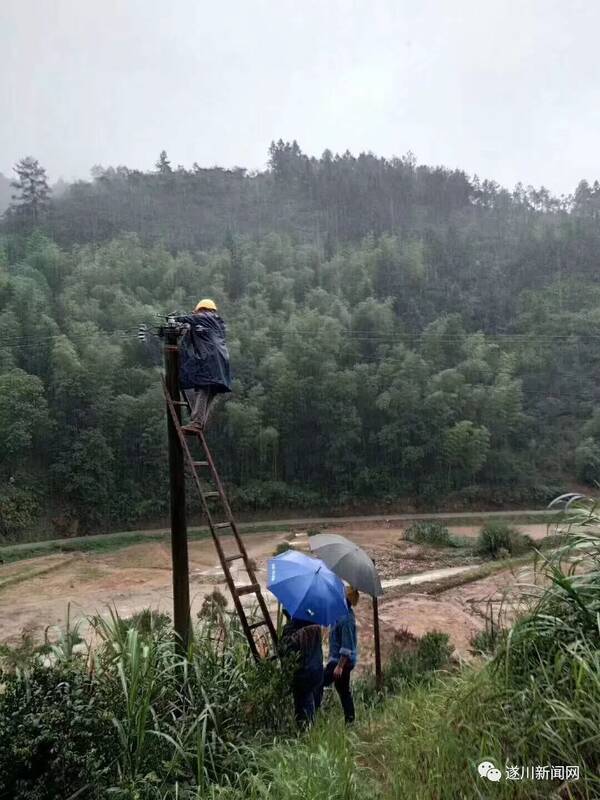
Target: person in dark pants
{"points": [[302, 640], [343, 656], [204, 372]]}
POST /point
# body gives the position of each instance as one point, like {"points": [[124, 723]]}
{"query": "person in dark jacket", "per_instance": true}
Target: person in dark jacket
{"points": [[204, 371], [343, 656], [302, 640]]}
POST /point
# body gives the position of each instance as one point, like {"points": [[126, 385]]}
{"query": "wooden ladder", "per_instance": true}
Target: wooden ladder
{"points": [[219, 528]]}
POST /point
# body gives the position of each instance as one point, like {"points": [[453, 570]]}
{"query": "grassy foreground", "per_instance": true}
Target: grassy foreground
{"points": [[425, 745]]}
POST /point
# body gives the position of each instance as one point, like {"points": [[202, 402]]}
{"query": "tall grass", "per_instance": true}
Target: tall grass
{"points": [[164, 720], [143, 668], [550, 661], [322, 766]]}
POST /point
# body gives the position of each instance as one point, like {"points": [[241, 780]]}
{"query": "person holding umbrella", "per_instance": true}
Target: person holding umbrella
{"points": [[313, 596], [350, 562], [302, 640], [343, 656]]}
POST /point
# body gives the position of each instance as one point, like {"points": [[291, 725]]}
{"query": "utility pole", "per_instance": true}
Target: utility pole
{"points": [[378, 673], [179, 542]]}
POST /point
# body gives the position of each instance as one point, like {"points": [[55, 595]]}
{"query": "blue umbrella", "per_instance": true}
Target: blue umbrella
{"points": [[307, 588]]}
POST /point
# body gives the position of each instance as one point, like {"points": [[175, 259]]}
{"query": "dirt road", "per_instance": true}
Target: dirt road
{"points": [[391, 520]]}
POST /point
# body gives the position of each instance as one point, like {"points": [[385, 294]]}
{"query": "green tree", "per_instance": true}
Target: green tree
{"points": [[465, 449], [235, 272], [163, 165], [84, 477], [31, 200], [23, 417], [587, 461], [18, 510]]}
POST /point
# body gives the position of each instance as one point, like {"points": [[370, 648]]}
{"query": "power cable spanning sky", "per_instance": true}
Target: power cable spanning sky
{"points": [[507, 89]]}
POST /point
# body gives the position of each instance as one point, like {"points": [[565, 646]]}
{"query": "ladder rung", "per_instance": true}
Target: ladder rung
{"points": [[211, 494], [179, 402], [237, 556], [222, 525], [200, 463], [257, 624], [252, 587]]}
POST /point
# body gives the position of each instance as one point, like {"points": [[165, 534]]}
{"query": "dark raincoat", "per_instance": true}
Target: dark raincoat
{"points": [[303, 639], [203, 353]]}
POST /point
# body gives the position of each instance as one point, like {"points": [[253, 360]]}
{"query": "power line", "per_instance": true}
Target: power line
{"points": [[24, 342], [352, 334]]}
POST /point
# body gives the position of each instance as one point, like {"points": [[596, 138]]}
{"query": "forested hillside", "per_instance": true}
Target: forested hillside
{"points": [[400, 335]]}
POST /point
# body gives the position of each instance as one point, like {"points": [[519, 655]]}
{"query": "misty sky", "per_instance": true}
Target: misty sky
{"points": [[508, 90]]}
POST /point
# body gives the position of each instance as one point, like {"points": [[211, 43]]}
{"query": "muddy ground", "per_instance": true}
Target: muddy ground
{"points": [[35, 594]]}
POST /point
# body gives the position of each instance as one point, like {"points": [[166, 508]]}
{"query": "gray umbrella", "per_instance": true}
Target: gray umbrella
{"points": [[348, 561]]}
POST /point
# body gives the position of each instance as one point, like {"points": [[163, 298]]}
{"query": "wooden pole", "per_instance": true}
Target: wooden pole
{"points": [[179, 543], [378, 673]]}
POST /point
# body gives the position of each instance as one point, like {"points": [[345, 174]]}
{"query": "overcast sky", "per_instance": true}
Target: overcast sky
{"points": [[506, 89]]}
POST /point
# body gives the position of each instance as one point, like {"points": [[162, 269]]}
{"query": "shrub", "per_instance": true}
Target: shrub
{"points": [[431, 533], [143, 719], [18, 509], [213, 606], [19, 656], [148, 620], [433, 651], [414, 660], [499, 539], [489, 639], [56, 737], [282, 547]]}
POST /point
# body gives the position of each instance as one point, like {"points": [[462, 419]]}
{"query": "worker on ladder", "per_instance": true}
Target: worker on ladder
{"points": [[204, 371]]}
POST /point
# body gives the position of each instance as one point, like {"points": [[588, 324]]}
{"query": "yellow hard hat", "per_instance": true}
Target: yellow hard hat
{"points": [[206, 303]]}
